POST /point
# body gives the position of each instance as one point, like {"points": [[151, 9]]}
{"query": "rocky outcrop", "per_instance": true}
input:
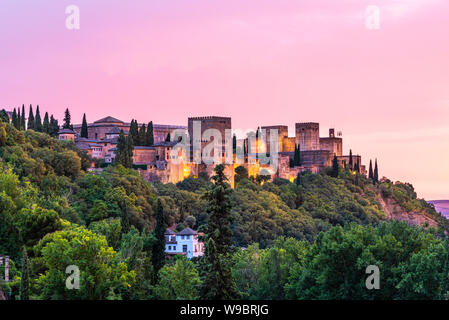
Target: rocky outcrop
{"points": [[394, 212]]}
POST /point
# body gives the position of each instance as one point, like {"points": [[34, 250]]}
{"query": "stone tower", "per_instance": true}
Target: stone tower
{"points": [[308, 135], [210, 122]]}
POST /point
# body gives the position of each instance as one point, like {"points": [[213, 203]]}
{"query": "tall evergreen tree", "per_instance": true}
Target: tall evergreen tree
{"points": [[150, 136], [350, 160], [129, 148], [46, 124], [376, 173], [22, 119], [168, 138], [84, 133], [297, 156], [158, 252], [14, 118], [134, 131], [67, 120], [30, 124], [54, 126], [38, 120], [370, 172], [25, 281], [335, 167], [122, 150], [142, 135], [19, 118], [218, 282]]}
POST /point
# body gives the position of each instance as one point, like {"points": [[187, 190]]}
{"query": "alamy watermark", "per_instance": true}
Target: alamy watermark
{"points": [[73, 280], [373, 280]]}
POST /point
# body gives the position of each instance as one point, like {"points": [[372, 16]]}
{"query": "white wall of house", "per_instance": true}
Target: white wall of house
{"points": [[186, 244]]}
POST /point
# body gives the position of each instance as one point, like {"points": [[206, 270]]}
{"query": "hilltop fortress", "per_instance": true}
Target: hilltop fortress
{"points": [[164, 162]]}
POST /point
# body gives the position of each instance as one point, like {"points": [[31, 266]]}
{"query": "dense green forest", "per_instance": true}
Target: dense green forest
{"points": [[310, 239]]}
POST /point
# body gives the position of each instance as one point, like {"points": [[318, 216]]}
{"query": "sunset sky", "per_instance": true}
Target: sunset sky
{"points": [[261, 62]]}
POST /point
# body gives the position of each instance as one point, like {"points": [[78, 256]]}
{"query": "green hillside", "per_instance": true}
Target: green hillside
{"points": [[286, 236]]}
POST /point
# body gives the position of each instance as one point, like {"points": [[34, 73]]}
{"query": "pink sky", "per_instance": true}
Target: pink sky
{"points": [[261, 62]]}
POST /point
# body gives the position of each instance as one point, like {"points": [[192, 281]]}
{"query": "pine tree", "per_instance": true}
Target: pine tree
{"points": [[67, 120], [46, 124], [14, 118], [25, 281], [84, 133], [22, 119], [350, 160], [142, 135], [150, 136], [158, 252], [167, 139], [370, 172], [335, 167], [30, 124], [376, 173], [218, 282], [37, 120]]}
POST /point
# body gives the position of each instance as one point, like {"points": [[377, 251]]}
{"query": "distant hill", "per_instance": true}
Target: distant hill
{"points": [[441, 206]]}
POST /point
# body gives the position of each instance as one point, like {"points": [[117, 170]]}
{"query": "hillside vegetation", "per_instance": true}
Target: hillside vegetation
{"points": [[57, 213]]}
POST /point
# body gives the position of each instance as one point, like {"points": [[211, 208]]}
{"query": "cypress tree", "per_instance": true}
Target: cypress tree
{"points": [[134, 131], [54, 126], [298, 179], [150, 136], [167, 139], [19, 119], [30, 124], [335, 167], [376, 173], [234, 143], [218, 282], [297, 156], [67, 120], [142, 135], [37, 120], [14, 118], [370, 172], [122, 151], [22, 119], [129, 154], [350, 160], [25, 281], [84, 133], [46, 124], [158, 252]]}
